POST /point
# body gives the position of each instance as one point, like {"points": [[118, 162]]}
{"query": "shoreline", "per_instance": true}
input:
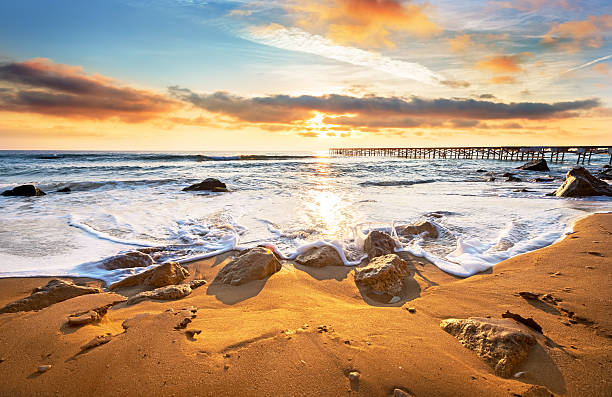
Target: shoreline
{"points": [[274, 326]]}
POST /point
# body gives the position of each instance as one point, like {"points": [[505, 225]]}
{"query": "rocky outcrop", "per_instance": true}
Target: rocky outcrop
{"points": [[127, 260], [503, 344], [160, 276], [579, 182], [254, 264], [384, 274], [427, 227], [320, 256], [535, 165], [208, 184], [55, 291], [25, 191], [170, 292], [378, 244]]}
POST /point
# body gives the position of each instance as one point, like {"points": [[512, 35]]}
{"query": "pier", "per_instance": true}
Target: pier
{"points": [[509, 153]]}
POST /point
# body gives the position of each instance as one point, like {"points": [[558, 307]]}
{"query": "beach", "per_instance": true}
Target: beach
{"points": [[304, 330]]}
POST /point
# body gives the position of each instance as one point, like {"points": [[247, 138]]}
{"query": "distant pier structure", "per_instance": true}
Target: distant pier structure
{"points": [[510, 153]]}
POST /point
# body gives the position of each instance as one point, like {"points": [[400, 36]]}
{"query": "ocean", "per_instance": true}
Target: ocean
{"points": [[121, 201]]}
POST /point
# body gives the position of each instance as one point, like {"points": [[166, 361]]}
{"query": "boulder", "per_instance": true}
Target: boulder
{"points": [[55, 291], [25, 191], [378, 244], [127, 260], [320, 256], [426, 227], [384, 274], [160, 276], [64, 190], [208, 184], [169, 292], [503, 344], [254, 264], [535, 165], [579, 182]]}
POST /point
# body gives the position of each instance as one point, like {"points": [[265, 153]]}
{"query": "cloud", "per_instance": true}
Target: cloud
{"points": [[503, 64], [364, 23], [295, 39], [41, 86], [602, 68], [573, 35], [503, 80], [460, 43], [239, 13], [373, 111], [533, 5]]}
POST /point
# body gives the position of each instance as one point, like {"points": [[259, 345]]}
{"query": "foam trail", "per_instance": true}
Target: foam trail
{"points": [[102, 236]]}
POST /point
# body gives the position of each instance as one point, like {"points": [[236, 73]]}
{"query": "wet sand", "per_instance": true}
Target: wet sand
{"points": [[303, 330]]}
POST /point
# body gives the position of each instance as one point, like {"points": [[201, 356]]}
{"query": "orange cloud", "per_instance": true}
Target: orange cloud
{"points": [[460, 43], [503, 80], [602, 68], [533, 5], [503, 64], [368, 23], [41, 86], [573, 35]]}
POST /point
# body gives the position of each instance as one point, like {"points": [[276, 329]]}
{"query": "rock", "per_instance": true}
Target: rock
{"points": [[160, 276], [169, 292], [529, 295], [503, 344], [547, 179], [535, 165], [507, 174], [197, 283], [401, 393], [378, 244], [411, 310], [82, 319], [44, 368], [513, 179], [481, 170], [427, 227], [530, 322], [55, 291], [320, 256], [208, 184], [254, 264], [522, 190], [97, 341], [64, 190], [491, 179], [193, 332], [183, 324], [25, 191], [384, 274], [354, 376], [579, 182], [127, 260]]}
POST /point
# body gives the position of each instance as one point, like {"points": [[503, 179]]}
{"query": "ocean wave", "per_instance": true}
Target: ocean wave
{"points": [[397, 183], [155, 156]]}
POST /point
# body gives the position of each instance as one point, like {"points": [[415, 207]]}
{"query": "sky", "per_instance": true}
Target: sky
{"points": [[271, 75]]}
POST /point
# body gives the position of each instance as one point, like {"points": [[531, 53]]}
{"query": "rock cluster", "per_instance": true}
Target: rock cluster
{"points": [[384, 274], [254, 264], [320, 256], [55, 291], [503, 344], [579, 182], [25, 191], [208, 184], [378, 244], [160, 276]]}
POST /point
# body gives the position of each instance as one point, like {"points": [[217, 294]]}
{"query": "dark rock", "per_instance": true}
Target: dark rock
{"points": [[522, 190], [535, 165], [427, 227], [55, 291], [385, 274], [254, 264], [513, 179], [530, 322], [197, 283], [208, 184], [183, 324], [481, 170], [25, 191], [160, 276], [64, 190], [193, 332], [127, 260], [579, 182], [507, 174], [543, 179], [606, 174], [529, 295], [320, 256], [503, 344], [378, 244]]}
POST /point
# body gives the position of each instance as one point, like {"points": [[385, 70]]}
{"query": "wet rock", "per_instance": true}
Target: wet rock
{"points": [[160, 276], [208, 184], [535, 165], [127, 260], [481, 170], [24, 191], [512, 178], [197, 283], [64, 190], [254, 264], [605, 173], [427, 227], [44, 368], [507, 174], [169, 292], [55, 291], [384, 274], [97, 341], [530, 322], [503, 344], [378, 244], [547, 179], [579, 182], [320, 256]]}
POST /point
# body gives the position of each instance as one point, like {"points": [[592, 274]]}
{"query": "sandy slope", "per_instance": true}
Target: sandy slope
{"points": [[263, 338]]}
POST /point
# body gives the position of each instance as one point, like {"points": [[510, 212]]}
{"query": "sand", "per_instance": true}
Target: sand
{"points": [[303, 330]]}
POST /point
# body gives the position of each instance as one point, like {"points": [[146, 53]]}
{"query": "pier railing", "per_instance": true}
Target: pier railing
{"points": [[510, 153]]}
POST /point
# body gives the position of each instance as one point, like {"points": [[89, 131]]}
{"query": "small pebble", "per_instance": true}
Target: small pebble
{"points": [[401, 393], [226, 367], [354, 376], [589, 267], [411, 310], [44, 368]]}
